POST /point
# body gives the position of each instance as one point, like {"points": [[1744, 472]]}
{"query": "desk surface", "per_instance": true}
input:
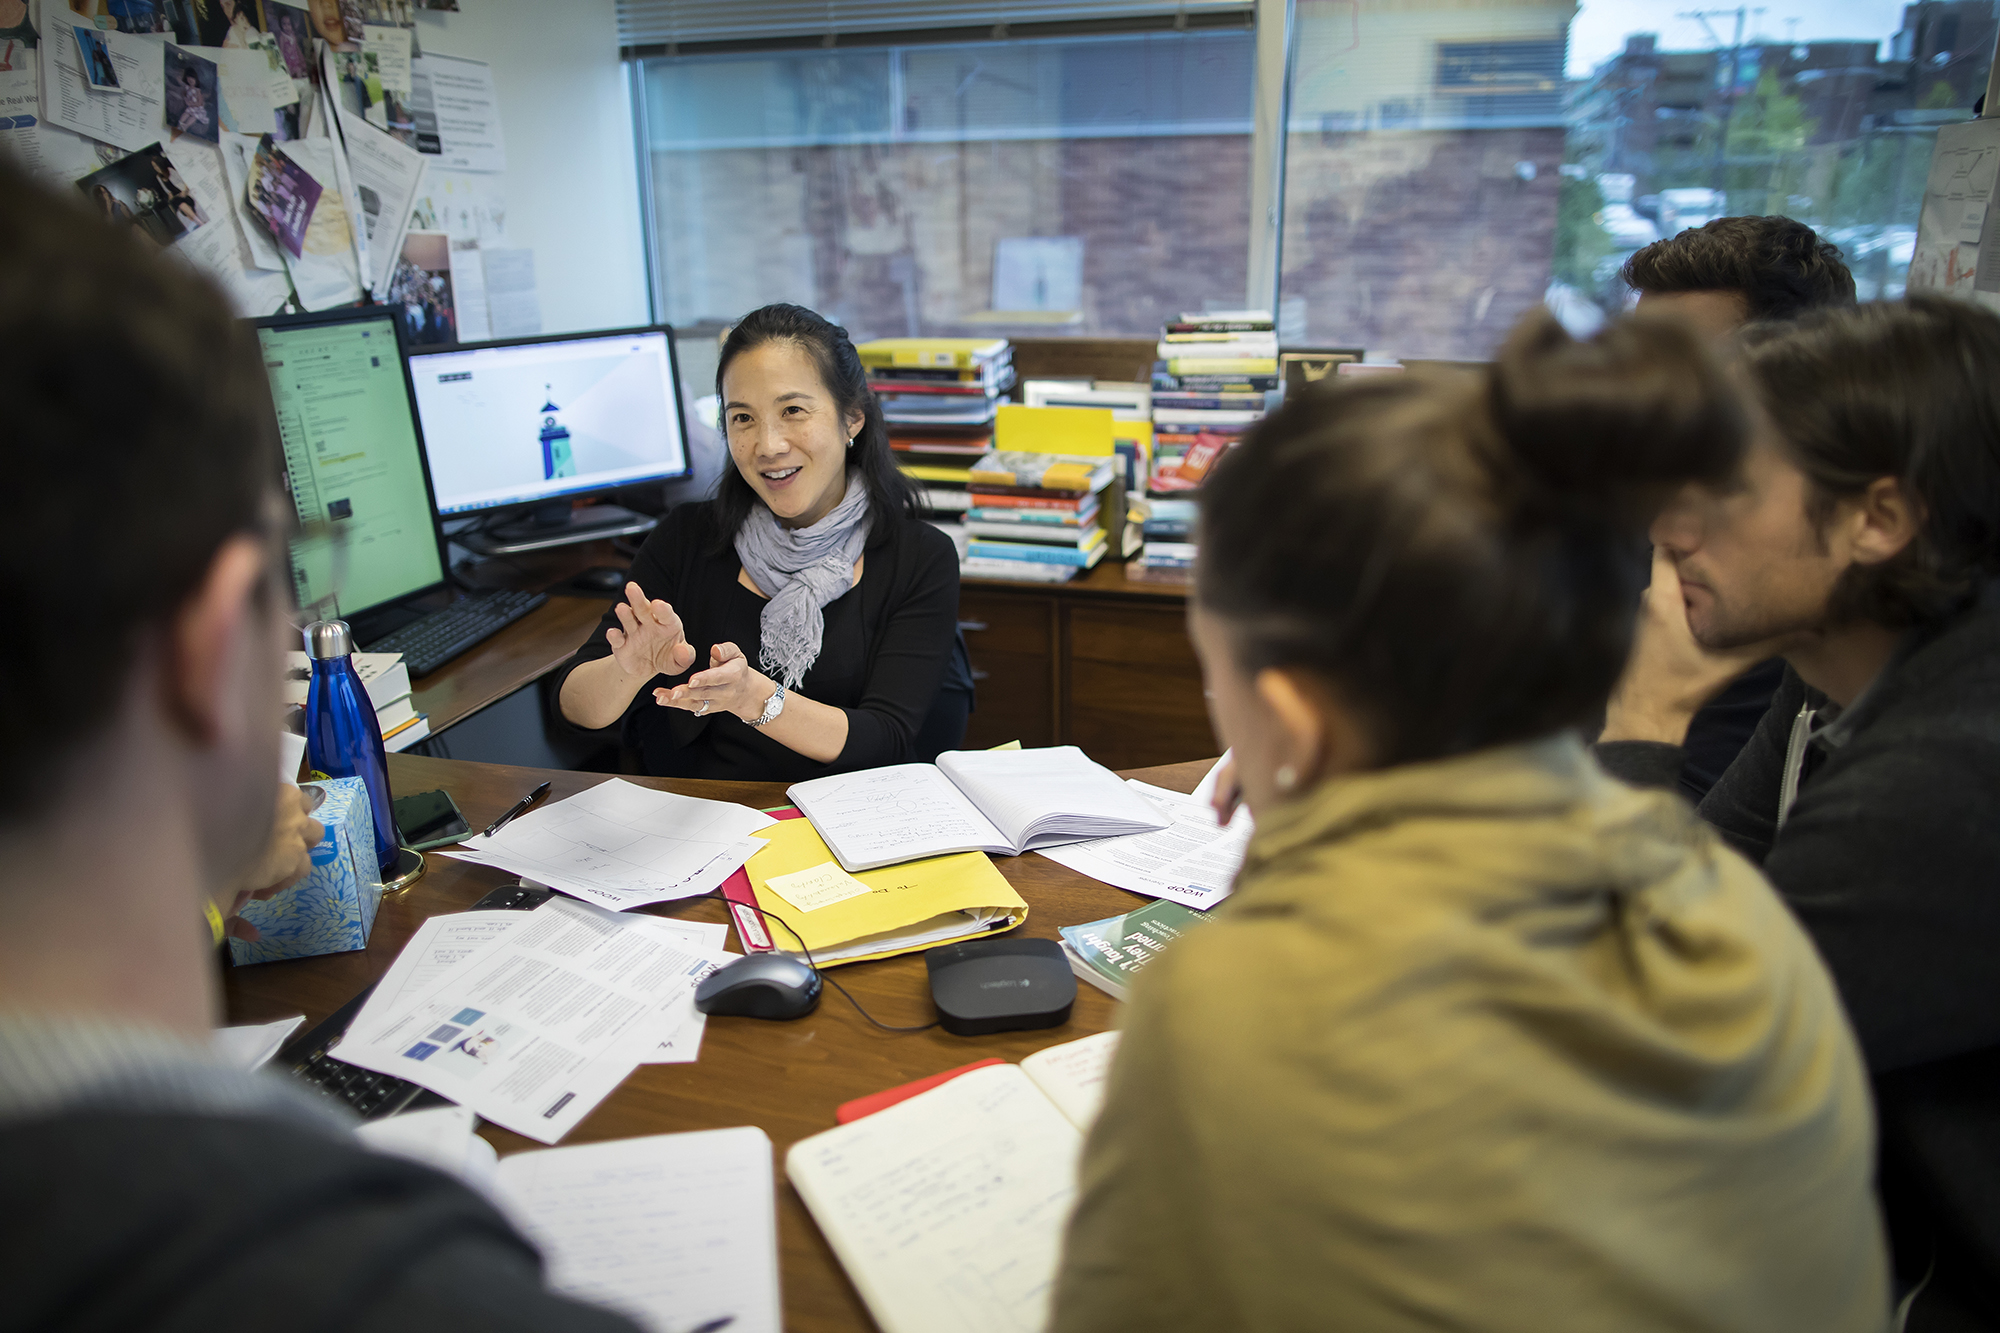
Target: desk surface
{"points": [[786, 1078]]}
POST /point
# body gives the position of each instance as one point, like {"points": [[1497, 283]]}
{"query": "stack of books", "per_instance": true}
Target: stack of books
{"points": [[387, 679], [1036, 517], [1208, 388], [1169, 535], [938, 397]]}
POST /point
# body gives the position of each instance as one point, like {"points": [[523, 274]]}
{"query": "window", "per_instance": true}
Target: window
{"points": [[1057, 185], [1450, 165], [1446, 164]]}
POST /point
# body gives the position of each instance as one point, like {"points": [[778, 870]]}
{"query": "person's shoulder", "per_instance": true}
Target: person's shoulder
{"points": [[916, 542], [684, 532]]}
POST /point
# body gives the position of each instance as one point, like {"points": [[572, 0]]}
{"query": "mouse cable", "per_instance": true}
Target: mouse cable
{"points": [[760, 910]]}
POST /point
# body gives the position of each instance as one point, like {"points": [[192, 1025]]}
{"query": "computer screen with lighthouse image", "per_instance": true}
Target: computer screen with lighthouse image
{"points": [[528, 422]]}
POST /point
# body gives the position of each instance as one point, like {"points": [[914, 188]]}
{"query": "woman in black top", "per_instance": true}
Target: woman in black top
{"points": [[802, 622]]}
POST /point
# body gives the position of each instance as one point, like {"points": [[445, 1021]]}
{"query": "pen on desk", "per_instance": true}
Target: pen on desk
{"points": [[520, 808]]}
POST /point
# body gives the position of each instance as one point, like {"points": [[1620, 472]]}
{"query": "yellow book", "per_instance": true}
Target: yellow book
{"points": [[935, 472], [915, 905], [1084, 431], [933, 353], [1229, 365]]}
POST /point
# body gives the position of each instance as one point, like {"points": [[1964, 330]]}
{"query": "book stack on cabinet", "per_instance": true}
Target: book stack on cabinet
{"points": [[1035, 517], [1209, 385], [938, 397]]}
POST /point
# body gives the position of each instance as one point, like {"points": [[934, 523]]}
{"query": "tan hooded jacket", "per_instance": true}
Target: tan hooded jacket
{"points": [[1490, 1043]]}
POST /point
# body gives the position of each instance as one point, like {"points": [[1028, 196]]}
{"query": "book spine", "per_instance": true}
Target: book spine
{"points": [[1222, 326], [1053, 555], [1030, 518]]}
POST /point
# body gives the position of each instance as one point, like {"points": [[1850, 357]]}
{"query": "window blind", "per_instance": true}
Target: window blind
{"points": [[646, 26]]}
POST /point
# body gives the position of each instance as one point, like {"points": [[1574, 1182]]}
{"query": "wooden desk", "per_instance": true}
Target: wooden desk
{"points": [[521, 654], [785, 1078]]}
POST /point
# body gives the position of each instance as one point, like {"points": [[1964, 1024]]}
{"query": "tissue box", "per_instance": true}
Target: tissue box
{"points": [[333, 908]]}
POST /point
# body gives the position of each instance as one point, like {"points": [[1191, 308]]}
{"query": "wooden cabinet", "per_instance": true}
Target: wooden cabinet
{"points": [[1103, 663]]}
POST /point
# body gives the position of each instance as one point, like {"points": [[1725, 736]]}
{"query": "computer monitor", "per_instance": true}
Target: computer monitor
{"points": [[354, 461], [533, 422]]}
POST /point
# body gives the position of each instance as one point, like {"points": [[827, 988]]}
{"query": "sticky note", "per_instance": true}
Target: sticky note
{"points": [[820, 886]]}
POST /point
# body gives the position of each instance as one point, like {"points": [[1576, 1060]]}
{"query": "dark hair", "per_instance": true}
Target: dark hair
{"points": [[1781, 267], [891, 494], [1909, 390], [142, 438], [1461, 553]]}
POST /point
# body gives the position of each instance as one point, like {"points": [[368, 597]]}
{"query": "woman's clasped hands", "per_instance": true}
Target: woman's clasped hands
{"points": [[651, 641]]}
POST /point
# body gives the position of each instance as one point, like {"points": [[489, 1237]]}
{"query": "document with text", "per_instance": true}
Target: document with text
{"points": [[539, 1024]]}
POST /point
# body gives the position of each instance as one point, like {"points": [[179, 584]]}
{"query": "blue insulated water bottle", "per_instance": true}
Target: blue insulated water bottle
{"points": [[343, 740]]}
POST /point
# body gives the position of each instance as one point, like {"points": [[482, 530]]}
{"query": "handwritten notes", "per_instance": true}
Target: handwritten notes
{"points": [[821, 886]]}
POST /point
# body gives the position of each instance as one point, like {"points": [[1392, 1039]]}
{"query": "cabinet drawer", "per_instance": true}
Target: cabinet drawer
{"points": [[1006, 623], [1133, 688], [1012, 644]]}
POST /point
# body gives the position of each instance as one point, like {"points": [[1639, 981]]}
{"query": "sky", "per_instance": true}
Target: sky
{"points": [[1598, 32]]}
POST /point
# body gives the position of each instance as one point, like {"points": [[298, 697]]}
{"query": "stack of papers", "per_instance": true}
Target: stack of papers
{"points": [[531, 1021], [1193, 861], [621, 845]]}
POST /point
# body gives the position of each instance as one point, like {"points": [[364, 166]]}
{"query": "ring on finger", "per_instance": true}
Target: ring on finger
{"points": [[704, 707]]}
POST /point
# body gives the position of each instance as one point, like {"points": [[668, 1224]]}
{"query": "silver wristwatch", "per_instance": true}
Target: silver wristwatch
{"points": [[772, 707]]}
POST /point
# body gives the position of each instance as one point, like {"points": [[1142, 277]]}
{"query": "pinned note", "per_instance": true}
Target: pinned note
{"points": [[821, 886]]}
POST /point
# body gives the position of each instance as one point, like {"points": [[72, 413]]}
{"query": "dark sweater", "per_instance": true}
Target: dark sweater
{"points": [[1891, 859], [186, 1223], [887, 647]]}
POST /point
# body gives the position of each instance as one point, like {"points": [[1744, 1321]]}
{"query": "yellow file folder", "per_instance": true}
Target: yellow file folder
{"points": [[915, 905]]}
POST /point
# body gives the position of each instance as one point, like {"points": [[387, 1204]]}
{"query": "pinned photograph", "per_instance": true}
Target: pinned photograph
{"points": [[420, 289], [337, 21], [146, 191], [17, 32], [192, 100], [284, 194], [95, 55], [126, 15], [292, 30], [399, 13], [227, 23]]}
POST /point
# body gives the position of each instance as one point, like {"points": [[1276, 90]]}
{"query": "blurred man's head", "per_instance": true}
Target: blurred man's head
{"points": [[138, 535], [1871, 494], [1736, 271]]}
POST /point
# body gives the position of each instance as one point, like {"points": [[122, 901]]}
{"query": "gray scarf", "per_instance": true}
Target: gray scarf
{"points": [[801, 570]]}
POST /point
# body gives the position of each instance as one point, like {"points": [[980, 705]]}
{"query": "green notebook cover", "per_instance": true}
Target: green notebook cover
{"points": [[1109, 953]]}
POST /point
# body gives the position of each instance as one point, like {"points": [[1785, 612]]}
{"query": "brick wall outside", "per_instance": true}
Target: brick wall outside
{"points": [[1423, 243], [1420, 242]]}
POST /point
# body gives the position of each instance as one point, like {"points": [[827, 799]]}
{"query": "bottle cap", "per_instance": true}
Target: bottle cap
{"points": [[328, 639]]}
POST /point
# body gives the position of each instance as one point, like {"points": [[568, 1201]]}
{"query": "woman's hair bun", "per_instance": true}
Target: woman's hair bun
{"points": [[1610, 424]]}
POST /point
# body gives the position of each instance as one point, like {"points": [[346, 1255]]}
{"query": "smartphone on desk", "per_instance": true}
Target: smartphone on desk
{"points": [[430, 819]]}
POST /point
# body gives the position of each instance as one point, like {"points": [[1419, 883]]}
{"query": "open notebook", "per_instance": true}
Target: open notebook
{"points": [[947, 1210], [1000, 801]]}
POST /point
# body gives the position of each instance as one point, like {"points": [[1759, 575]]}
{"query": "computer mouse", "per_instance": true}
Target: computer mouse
{"points": [[760, 985], [602, 578]]}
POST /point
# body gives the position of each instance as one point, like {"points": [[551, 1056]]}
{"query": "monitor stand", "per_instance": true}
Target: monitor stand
{"points": [[555, 525]]}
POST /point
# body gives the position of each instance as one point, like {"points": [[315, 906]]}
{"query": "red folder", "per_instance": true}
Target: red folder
{"points": [[736, 892]]}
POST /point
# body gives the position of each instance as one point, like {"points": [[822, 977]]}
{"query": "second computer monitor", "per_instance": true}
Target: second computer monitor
{"points": [[540, 419]]}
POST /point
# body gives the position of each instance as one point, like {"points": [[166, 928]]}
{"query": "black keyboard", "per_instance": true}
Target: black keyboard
{"points": [[368, 1094], [429, 643]]}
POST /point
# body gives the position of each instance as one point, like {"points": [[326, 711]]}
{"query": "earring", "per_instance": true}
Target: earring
{"points": [[850, 441], [1286, 777]]}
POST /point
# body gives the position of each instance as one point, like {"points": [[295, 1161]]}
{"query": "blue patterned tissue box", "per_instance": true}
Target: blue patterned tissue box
{"points": [[332, 909]]}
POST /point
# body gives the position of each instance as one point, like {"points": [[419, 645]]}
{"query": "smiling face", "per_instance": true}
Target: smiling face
{"points": [[787, 435], [1752, 563]]}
